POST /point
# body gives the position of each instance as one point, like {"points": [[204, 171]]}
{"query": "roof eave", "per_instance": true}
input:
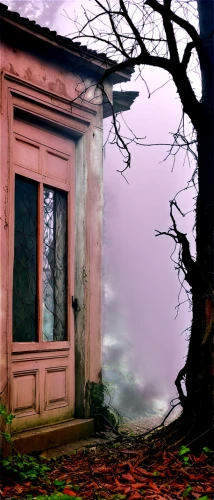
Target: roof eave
{"points": [[122, 101], [97, 63]]}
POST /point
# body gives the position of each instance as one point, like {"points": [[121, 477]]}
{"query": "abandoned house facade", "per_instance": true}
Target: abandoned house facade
{"points": [[50, 229]]}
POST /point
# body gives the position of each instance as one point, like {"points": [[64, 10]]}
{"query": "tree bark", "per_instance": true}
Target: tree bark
{"points": [[198, 411]]}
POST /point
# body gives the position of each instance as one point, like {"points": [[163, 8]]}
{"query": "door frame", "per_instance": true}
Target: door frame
{"points": [[83, 122], [42, 365]]}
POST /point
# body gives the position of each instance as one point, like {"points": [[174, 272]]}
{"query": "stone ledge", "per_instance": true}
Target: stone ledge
{"points": [[42, 438]]}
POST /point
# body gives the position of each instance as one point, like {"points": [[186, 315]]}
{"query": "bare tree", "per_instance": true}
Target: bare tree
{"points": [[176, 36]]}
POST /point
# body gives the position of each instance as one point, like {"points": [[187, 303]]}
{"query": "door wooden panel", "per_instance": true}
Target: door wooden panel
{"points": [[56, 387], [56, 166], [42, 372], [27, 154], [25, 392]]}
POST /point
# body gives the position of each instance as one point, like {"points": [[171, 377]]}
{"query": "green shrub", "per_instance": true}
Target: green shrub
{"points": [[25, 467]]}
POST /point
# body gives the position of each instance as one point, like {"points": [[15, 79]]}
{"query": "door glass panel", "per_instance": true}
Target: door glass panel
{"points": [[25, 262], [55, 265]]}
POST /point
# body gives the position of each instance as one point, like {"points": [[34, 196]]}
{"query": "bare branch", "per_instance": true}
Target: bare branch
{"points": [[187, 260], [180, 377], [189, 28], [141, 59], [172, 44], [187, 54], [134, 29]]}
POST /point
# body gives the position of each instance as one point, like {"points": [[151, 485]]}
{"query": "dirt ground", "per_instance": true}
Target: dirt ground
{"points": [[143, 424], [137, 426]]}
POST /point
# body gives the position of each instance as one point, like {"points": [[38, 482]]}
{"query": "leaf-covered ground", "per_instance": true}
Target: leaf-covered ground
{"points": [[128, 468]]}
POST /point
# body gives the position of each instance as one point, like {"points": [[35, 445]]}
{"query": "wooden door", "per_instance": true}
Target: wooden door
{"points": [[42, 258]]}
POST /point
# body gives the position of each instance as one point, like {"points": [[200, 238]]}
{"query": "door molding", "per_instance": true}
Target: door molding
{"points": [[82, 123]]}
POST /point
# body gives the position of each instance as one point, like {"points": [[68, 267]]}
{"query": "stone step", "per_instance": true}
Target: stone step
{"points": [[49, 436]]}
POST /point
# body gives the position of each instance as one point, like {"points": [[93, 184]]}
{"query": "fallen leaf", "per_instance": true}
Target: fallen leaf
{"points": [[130, 452], [103, 494], [153, 486], [127, 490], [128, 477], [135, 495], [195, 495], [144, 471], [69, 492], [117, 482], [102, 469], [120, 488], [191, 476], [137, 486], [92, 485], [139, 479], [209, 489]]}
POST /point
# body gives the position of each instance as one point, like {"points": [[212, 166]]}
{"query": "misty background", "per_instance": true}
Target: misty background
{"points": [[143, 344]]}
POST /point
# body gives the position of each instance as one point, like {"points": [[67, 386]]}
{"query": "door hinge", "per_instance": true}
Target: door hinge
{"points": [[75, 305]]}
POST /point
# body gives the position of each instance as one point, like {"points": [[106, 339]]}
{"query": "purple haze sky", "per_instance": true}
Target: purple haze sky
{"points": [[144, 276]]}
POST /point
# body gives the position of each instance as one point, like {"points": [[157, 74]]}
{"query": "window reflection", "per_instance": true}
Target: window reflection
{"points": [[25, 262], [54, 265]]}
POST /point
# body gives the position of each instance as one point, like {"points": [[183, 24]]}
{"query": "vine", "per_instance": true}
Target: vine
{"points": [[25, 467], [7, 418], [103, 412]]}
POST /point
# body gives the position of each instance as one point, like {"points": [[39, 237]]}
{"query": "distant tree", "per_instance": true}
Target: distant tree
{"points": [[171, 35]]}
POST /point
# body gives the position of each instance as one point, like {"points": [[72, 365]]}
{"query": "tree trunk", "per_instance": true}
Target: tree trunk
{"points": [[199, 403]]}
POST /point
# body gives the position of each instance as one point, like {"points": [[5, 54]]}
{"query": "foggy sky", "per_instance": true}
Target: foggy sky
{"points": [[143, 273]]}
